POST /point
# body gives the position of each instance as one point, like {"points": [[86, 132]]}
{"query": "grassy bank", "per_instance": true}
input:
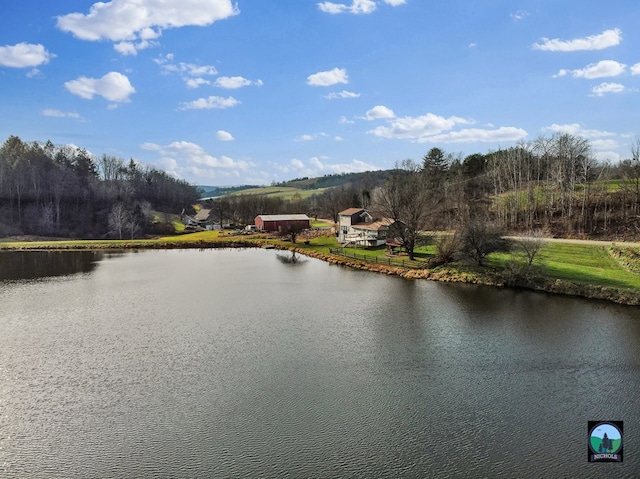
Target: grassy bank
{"points": [[594, 271]]}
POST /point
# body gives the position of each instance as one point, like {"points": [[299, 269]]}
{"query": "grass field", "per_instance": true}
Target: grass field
{"points": [[586, 264], [284, 192]]}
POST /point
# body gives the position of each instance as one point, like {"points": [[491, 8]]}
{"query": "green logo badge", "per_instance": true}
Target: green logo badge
{"points": [[605, 441]]}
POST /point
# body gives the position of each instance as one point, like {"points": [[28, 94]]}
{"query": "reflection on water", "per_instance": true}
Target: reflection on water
{"points": [[291, 258], [16, 265], [233, 363]]}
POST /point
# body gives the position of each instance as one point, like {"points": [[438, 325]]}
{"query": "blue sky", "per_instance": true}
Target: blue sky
{"points": [[256, 91]]}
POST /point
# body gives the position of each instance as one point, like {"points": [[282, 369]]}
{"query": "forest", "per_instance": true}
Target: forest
{"points": [[54, 191]]}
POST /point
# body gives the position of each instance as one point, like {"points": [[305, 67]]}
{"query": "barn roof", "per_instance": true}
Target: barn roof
{"points": [[284, 217]]}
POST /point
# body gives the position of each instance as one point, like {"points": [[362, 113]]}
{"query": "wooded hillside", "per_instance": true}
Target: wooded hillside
{"points": [[64, 191]]}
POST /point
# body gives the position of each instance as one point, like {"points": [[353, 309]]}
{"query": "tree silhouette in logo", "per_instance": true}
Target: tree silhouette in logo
{"points": [[605, 445]]}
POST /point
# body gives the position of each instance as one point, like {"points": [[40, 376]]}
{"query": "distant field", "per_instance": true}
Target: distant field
{"points": [[285, 192]]}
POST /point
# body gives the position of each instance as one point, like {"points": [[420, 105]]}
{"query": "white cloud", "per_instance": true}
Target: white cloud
{"points": [[189, 160], [319, 166], [602, 144], [310, 137], [600, 140], [60, 114], [212, 102], [126, 48], [232, 83], [328, 78], [345, 121], [190, 69], [147, 37], [478, 135], [196, 82], [606, 39], [578, 130], [431, 128], [605, 88], [131, 21], [612, 156], [24, 55], [520, 15], [297, 164], [224, 136], [357, 7], [342, 94], [191, 73], [415, 128], [635, 69], [113, 86], [379, 112], [602, 69]]}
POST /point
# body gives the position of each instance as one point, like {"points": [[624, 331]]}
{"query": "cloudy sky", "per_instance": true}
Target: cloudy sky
{"points": [[256, 91]]}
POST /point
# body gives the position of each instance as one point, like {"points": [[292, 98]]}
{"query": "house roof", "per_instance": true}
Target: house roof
{"points": [[351, 211], [284, 217], [202, 214], [376, 225]]}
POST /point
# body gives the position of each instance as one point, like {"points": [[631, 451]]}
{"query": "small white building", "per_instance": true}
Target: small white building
{"points": [[357, 227]]}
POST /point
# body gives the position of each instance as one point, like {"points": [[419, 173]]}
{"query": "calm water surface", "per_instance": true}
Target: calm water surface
{"points": [[240, 363]]}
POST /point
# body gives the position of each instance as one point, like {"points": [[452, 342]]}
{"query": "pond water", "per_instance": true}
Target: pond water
{"points": [[244, 363]]}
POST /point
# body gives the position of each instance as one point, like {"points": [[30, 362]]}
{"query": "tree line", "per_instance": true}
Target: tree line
{"points": [[64, 191], [242, 209], [552, 184]]}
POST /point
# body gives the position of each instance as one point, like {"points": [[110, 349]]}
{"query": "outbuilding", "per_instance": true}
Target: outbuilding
{"points": [[282, 223]]}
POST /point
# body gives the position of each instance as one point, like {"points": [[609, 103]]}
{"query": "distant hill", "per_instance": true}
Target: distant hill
{"points": [[304, 186], [213, 191], [329, 181]]}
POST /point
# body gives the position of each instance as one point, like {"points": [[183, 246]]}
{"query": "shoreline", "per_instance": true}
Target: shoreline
{"points": [[549, 286], [626, 297]]}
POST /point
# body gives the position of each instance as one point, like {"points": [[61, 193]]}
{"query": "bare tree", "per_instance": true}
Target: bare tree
{"points": [[336, 199], [632, 174], [404, 199], [118, 219], [480, 238], [529, 246], [291, 232], [446, 246]]}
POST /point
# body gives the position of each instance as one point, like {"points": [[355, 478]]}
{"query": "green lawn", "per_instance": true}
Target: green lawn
{"points": [[320, 224], [586, 264], [579, 263]]}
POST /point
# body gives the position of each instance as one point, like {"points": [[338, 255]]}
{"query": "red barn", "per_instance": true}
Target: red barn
{"points": [[281, 223]]}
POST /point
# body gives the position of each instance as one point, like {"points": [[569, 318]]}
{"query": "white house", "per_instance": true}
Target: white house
{"points": [[357, 227]]}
